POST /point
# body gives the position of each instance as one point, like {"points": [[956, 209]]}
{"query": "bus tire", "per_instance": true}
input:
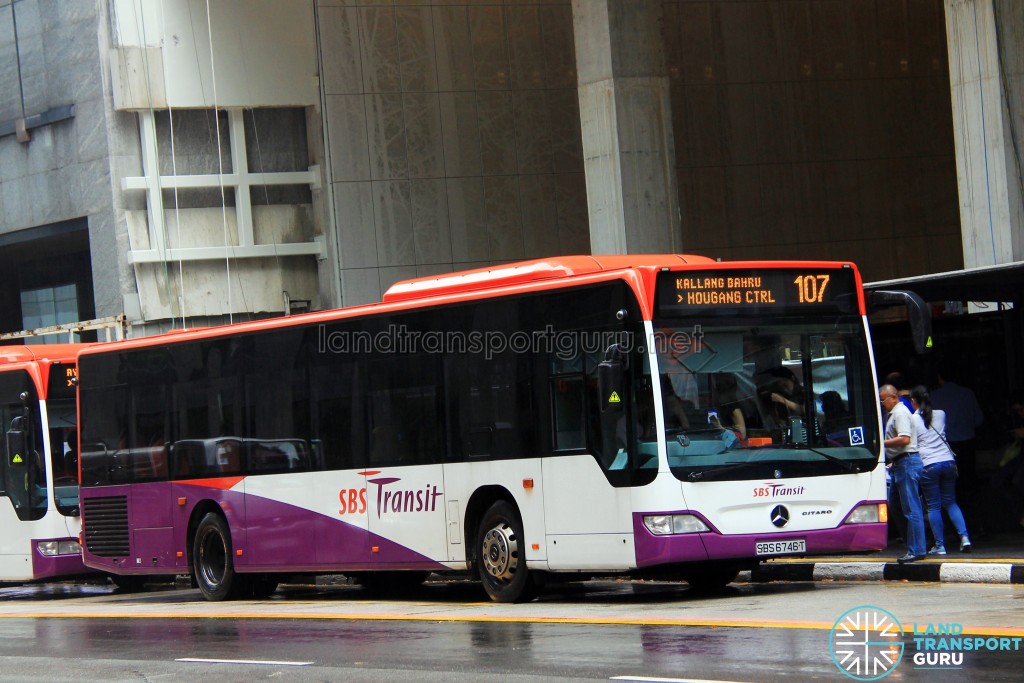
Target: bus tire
{"points": [[501, 555], [213, 565]]}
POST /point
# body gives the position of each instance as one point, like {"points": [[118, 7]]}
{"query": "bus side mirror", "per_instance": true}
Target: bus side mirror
{"points": [[611, 379], [919, 314], [17, 451]]}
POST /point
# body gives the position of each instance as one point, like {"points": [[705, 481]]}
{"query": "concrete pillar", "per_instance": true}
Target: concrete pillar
{"points": [[986, 39], [626, 121]]}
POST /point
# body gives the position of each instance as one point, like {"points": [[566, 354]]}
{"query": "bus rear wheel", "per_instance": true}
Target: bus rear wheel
{"points": [[501, 555], [212, 563]]}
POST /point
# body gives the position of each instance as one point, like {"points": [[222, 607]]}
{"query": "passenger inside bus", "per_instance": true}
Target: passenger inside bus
{"points": [[837, 418], [731, 411], [781, 396], [676, 409]]}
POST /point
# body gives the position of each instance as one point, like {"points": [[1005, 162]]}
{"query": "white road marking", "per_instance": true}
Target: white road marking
{"points": [[241, 661]]}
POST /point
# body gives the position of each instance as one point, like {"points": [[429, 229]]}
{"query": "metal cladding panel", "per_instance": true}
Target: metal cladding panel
{"points": [[654, 550]]}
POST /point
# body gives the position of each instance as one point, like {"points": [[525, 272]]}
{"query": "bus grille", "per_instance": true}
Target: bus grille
{"points": [[105, 522]]}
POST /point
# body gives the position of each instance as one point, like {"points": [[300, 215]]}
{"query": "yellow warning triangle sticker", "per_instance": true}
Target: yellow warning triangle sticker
{"points": [[16, 460], [614, 398]]}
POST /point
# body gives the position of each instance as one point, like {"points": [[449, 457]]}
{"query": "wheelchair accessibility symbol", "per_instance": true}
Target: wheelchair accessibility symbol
{"points": [[856, 436]]}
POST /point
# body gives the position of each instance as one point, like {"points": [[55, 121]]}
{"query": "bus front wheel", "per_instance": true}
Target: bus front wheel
{"points": [[501, 555], [211, 556]]}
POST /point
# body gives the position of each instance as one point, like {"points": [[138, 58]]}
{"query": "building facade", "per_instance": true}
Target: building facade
{"points": [[185, 162]]}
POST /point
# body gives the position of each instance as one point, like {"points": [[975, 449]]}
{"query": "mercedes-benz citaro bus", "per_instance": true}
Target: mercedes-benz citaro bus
{"points": [[532, 422], [39, 520]]}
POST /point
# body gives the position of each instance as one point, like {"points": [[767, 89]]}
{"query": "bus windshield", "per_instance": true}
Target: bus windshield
{"points": [[757, 398], [64, 454]]}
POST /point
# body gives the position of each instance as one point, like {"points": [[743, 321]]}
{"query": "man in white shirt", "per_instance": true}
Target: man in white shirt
{"points": [[905, 468]]}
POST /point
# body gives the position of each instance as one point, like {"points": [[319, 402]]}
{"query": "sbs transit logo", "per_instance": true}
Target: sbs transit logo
{"points": [[866, 643]]}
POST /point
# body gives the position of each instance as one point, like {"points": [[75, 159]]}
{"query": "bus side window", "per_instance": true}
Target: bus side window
{"points": [[567, 403], [181, 460], [158, 458], [229, 456]]}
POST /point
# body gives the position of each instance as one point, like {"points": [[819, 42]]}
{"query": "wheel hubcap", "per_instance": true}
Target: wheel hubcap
{"points": [[500, 553], [212, 560]]}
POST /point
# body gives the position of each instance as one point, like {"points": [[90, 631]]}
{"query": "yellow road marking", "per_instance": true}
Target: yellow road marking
{"points": [[490, 618]]}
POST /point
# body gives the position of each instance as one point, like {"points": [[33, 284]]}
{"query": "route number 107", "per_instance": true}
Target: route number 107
{"points": [[811, 288]]}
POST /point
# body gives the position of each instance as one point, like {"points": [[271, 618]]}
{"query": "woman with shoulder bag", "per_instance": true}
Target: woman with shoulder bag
{"points": [[938, 483]]}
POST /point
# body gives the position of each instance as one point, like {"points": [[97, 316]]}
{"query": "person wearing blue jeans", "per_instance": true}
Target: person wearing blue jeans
{"points": [[940, 472], [905, 468]]}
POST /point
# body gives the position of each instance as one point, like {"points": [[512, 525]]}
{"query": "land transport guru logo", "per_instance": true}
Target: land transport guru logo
{"points": [[867, 643]]}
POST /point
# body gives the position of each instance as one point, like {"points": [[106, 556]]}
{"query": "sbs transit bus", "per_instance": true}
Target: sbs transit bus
{"points": [[534, 422], [39, 520]]}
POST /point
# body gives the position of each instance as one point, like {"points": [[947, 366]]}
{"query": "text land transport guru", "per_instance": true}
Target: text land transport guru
{"points": [[950, 637]]}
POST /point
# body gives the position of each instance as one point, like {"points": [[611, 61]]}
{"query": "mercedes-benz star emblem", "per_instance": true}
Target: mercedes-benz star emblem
{"points": [[780, 516], [778, 474]]}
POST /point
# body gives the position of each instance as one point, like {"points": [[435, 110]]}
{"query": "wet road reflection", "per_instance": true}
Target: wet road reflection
{"points": [[447, 631], [404, 649], [53, 591]]}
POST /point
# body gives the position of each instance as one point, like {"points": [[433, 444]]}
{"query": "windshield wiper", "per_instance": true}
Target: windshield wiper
{"points": [[845, 464], [725, 467], [701, 475], [682, 436]]}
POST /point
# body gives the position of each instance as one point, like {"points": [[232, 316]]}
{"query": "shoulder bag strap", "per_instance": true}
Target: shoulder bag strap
{"points": [[950, 448]]}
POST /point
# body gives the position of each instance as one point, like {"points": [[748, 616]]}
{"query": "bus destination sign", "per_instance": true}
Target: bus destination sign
{"points": [[63, 380], [779, 291]]}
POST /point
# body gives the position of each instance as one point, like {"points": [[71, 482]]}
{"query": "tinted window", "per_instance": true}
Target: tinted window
{"points": [[337, 391], [493, 409], [276, 406]]}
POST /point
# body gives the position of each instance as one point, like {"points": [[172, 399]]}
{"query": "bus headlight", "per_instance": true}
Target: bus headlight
{"points": [[55, 548], [869, 513], [665, 525]]}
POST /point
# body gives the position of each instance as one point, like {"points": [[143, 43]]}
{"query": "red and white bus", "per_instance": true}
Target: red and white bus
{"points": [[540, 421], [39, 520]]}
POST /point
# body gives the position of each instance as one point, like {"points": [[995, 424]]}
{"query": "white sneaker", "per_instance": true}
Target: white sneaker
{"points": [[937, 550], [965, 544]]}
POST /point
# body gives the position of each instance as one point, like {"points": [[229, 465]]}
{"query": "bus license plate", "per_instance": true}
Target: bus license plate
{"points": [[793, 546]]}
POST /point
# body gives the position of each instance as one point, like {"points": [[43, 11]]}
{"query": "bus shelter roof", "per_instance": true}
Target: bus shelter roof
{"points": [[1003, 282]]}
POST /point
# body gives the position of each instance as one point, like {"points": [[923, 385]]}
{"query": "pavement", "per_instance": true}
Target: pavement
{"points": [[994, 558]]}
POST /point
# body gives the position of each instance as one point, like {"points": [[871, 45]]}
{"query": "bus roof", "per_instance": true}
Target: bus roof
{"points": [[40, 352], [467, 283], [522, 272]]}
